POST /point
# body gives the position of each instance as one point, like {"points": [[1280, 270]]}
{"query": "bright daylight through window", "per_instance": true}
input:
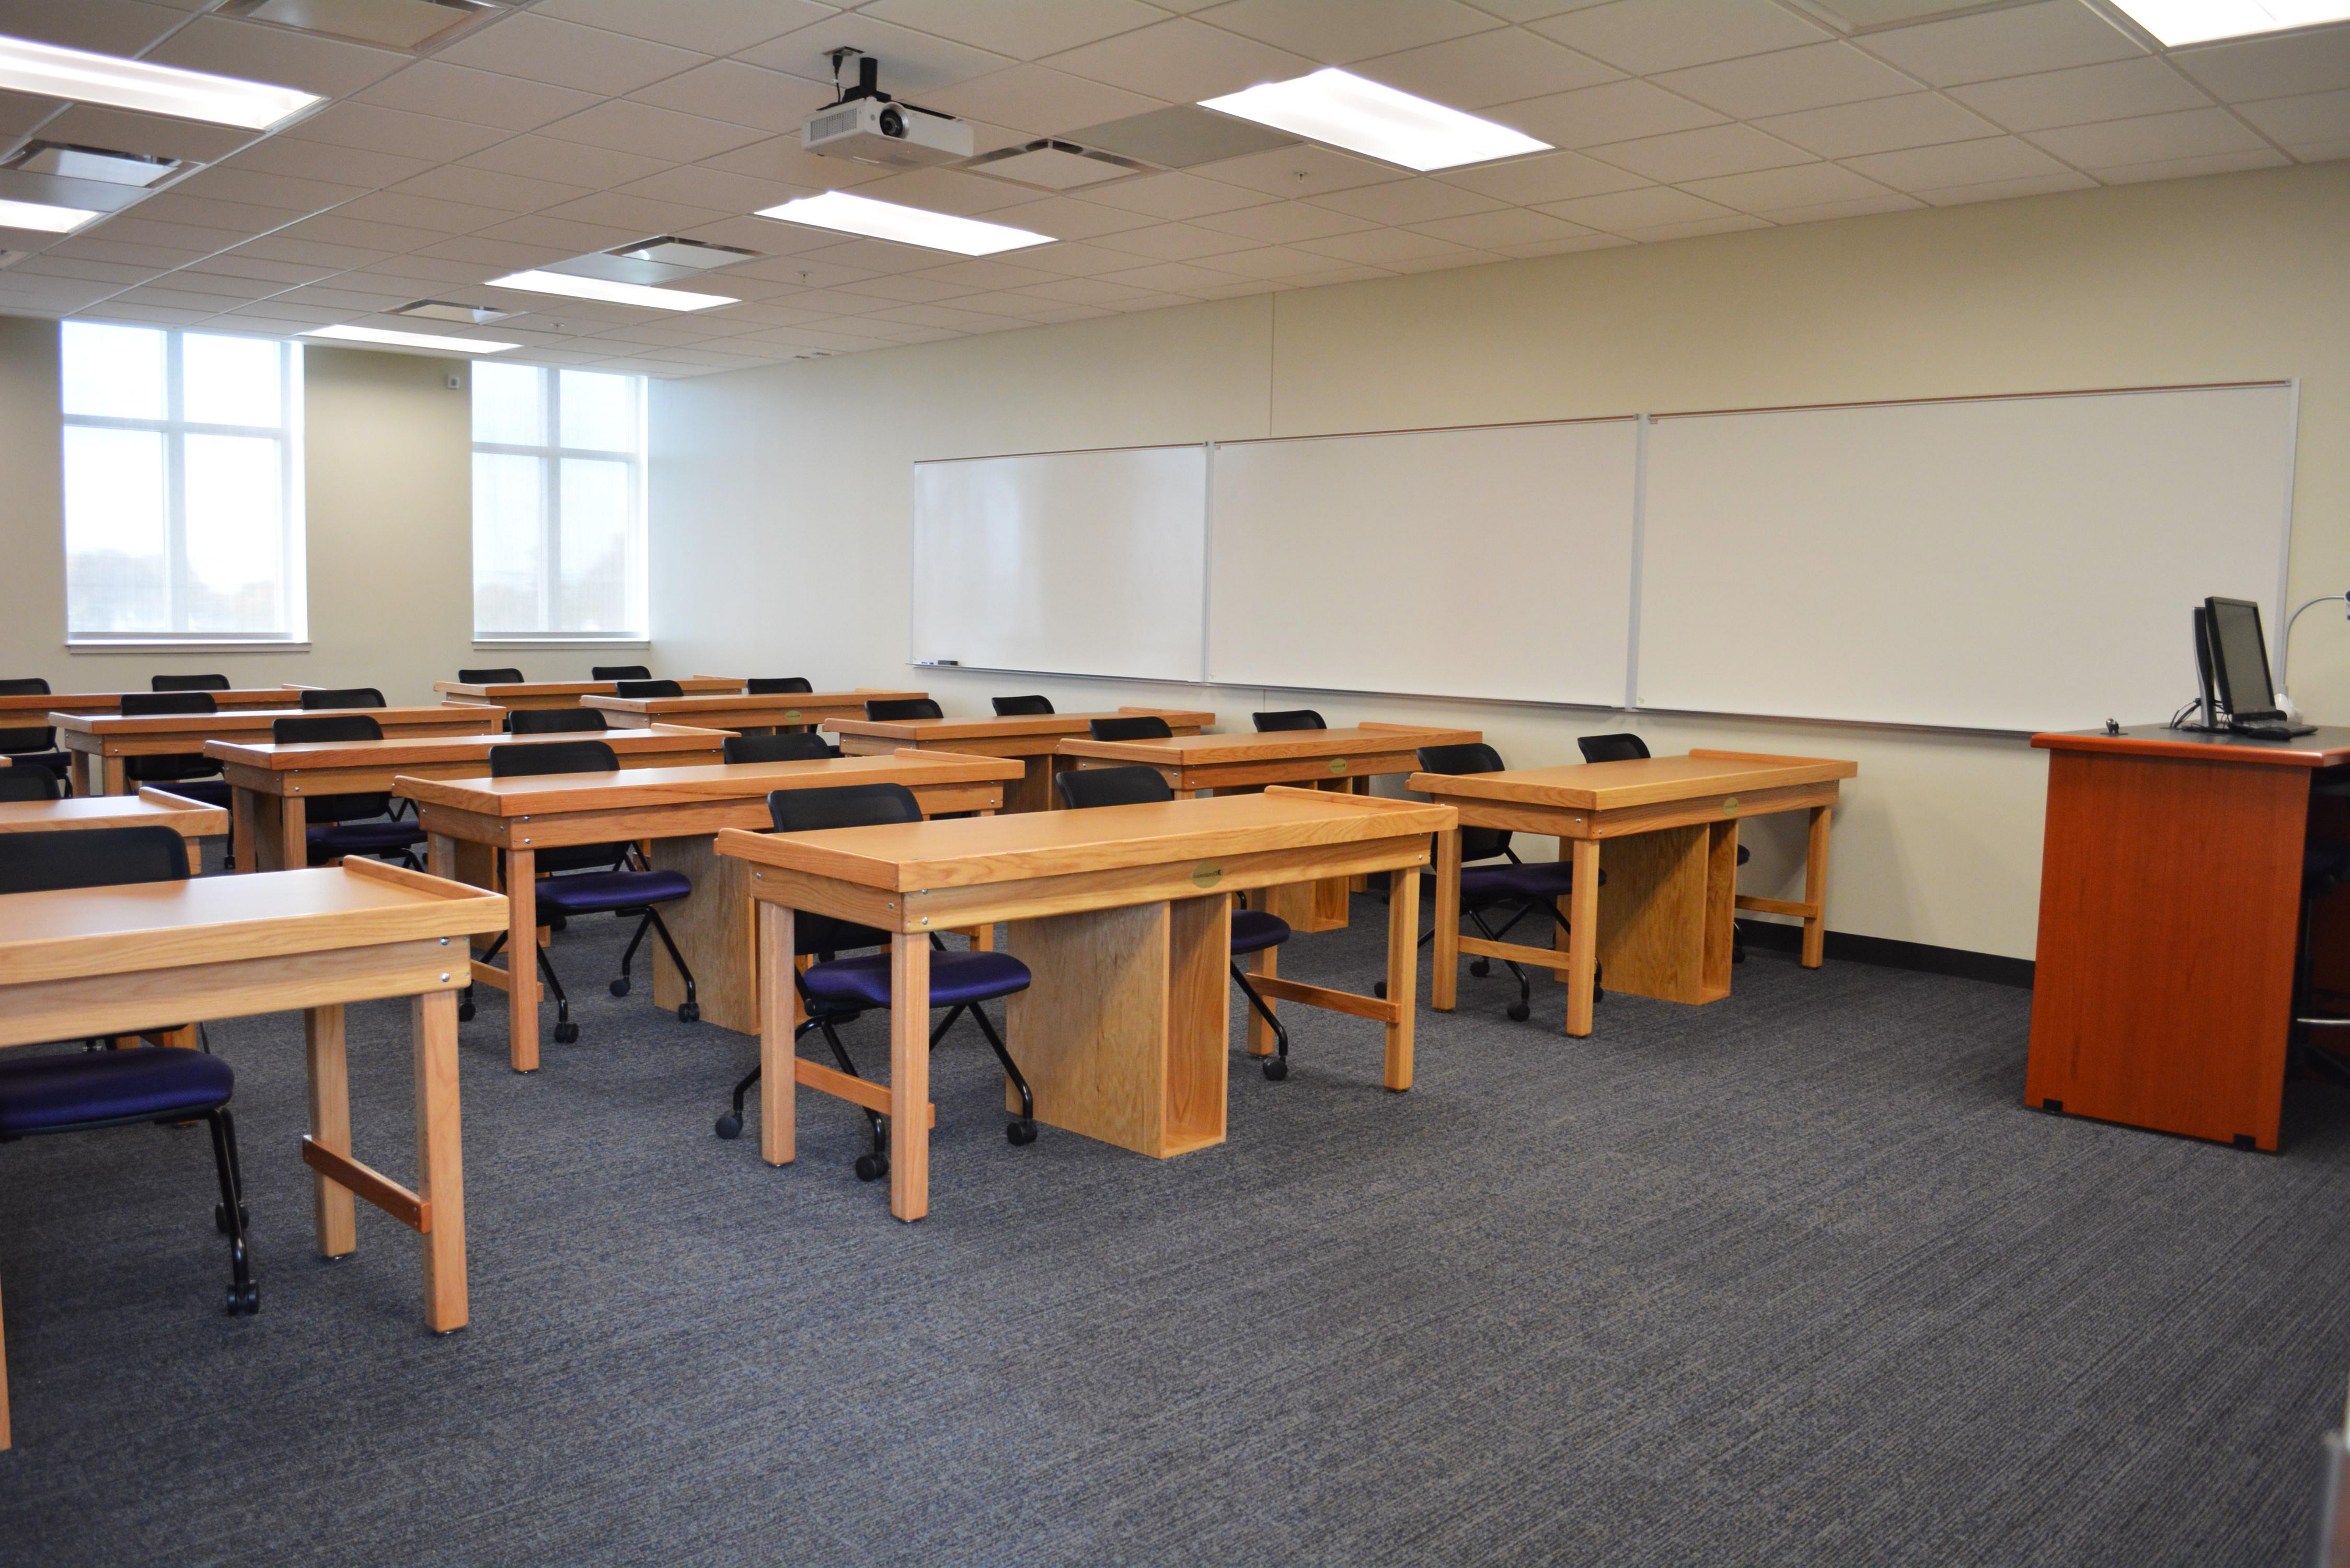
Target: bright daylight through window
{"points": [[182, 486], [558, 503]]}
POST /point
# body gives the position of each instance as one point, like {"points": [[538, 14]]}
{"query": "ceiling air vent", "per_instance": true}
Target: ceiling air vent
{"points": [[1052, 165], [450, 310], [387, 24], [66, 162], [665, 258]]}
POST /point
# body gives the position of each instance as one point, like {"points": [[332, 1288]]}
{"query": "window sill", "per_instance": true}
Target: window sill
{"points": [[180, 645], [632, 642]]}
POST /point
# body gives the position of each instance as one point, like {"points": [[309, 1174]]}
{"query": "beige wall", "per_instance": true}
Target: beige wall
{"points": [[781, 497]]}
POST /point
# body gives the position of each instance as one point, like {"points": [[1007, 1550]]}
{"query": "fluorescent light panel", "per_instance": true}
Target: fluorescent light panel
{"points": [[1343, 109], [2177, 22], [848, 215], [85, 78], [610, 292], [40, 215], [379, 336]]}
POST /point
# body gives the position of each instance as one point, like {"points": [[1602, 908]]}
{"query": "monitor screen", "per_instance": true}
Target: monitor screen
{"points": [[2240, 658]]}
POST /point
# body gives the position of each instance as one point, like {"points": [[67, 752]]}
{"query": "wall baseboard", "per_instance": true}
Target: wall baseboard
{"points": [[1921, 957]]}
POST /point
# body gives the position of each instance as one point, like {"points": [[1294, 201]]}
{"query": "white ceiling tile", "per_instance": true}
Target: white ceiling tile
{"points": [[1420, 201], [155, 258], [707, 26], [2012, 43], [564, 162], [329, 164], [2316, 116], [2007, 190], [1694, 228], [913, 65], [1382, 247], [1548, 176], [2271, 68], [1789, 81], [1614, 111], [93, 125], [235, 182], [2322, 151], [209, 211], [1337, 32], [1273, 262], [545, 49], [1492, 231], [1528, 10], [1485, 68], [1007, 304], [1173, 277], [266, 277], [1997, 159], [103, 26], [1355, 274], [421, 213], [502, 255], [640, 217], [1644, 36], [1175, 195], [780, 159], [388, 239], [1024, 29], [1862, 207], [1068, 218], [1305, 170], [622, 125], [279, 55], [477, 97], [370, 128], [907, 289], [509, 194], [303, 253], [1772, 190], [2190, 168], [1039, 100], [2115, 90], [694, 186], [1075, 260], [1182, 61], [875, 258], [1880, 125], [1280, 222], [1700, 154], [741, 94], [2190, 133], [1586, 241], [946, 191], [1173, 242], [1056, 313], [1645, 208], [1093, 290]]}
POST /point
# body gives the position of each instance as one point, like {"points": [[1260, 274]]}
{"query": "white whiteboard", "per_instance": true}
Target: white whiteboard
{"points": [[1078, 563], [1486, 562], [2011, 564]]}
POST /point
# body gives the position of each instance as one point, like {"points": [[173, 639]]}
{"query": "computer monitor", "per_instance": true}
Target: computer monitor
{"points": [[2239, 660]]}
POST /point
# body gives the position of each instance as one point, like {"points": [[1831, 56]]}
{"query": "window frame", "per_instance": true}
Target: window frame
{"points": [[174, 427], [550, 454]]}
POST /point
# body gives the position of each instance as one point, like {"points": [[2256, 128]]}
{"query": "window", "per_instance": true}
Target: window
{"points": [[182, 486], [558, 505]]}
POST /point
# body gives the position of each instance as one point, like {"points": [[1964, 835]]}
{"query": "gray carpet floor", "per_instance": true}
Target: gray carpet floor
{"points": [[1789, 1279]]}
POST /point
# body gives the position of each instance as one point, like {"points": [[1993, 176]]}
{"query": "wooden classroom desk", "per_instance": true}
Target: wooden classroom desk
{"points": [[1662, 924], [678, 808], [82, 962], [1326, 759], [561, 693], [1031, 737], [25, 711], [1123, 915], [2170, 919], [271, 784], [742, 711], [150, 807], [103, 740]]}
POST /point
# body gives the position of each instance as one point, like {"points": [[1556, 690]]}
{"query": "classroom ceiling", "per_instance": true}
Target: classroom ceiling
{"points": [[531, 133]]}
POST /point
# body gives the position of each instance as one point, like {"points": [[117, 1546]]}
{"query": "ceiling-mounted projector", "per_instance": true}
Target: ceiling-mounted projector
{"points": [[870, 126]]}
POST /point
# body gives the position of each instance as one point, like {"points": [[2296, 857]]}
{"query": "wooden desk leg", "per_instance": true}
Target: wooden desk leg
{"points": [[1816, 889], [1446, 983], [521, 959], [909, 1074], [113, 775], [1263, 964], [1403, 971], [441, 856], [330, 1126], [242, 823], [440, 1159], [293, 833], [1583, 937], [778, 1021]]}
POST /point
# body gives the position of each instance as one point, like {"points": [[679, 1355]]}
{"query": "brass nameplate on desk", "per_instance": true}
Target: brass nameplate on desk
{"points": [[1729, 806], [1207, 876], [1337, 765], [791, 712]]}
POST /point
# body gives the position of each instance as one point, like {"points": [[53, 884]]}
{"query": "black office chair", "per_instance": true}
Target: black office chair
{"points": [[1290, 718], [633, 688], [835, 990], [89, 1090], [188, 773], [609, 891], [340, 824], [555, 722], [343, 697], [619, 672], [777, 685], [1253, 930], [1522, 887], [790, 746], [1623, 746], [18, 782], [888, 709], [503, 675], [188, 683], [1129, 727], [35, 745], [1021, 707]]}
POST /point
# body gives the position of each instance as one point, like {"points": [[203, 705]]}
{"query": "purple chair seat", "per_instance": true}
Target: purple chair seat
{"points": [[601, 892], [44, 1094], [955, 978], [1253, 930], [364, 837], [1534, 879]]}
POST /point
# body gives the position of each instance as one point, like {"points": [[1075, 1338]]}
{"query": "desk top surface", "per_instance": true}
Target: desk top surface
{"points": [[394, 750], [973, 850], [491, 692], [148, 808], [109, 701], [739, 701], [234, 719], [2327, 749], [1270, 745], [547, 795], [913, 732], [1643, 781]]}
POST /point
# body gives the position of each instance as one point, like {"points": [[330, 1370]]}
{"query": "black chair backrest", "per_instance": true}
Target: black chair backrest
{"points": [[619, 672], [343, 697], [1135, 727], [1082, 787], [791, 746], [39, 737], [1623, 747], [557, 757], [147, 704], [333, 727], [30, 784], [504, 675], [1021, 707], [649, 689], [555, 722], [1476, 843], [90, 858], [188, 683], [777, 685], [812, 810], [24, 686], [903, 708], [1290, 718]]}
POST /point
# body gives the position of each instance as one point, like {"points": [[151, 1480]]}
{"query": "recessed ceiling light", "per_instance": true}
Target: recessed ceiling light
{"points": [[610, 292], [53, 72], [2177, 22], [377, 336], [848, 215], [40, 215], [1345, 110]]}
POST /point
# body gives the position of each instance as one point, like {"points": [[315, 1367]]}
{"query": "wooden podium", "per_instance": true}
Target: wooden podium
{"points": [[2170, 919]]}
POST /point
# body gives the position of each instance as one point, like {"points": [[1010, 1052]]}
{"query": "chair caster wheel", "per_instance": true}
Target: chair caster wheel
{"points": [[220, 1217], [560, 923], [565, 1034], [464, 1013], [1020, 1133], [1380, 990], [1520, 1013], [1480, 968], [689, 1013], [730, 1126], [621, 986], [1275, 1069], [872, 1166], [244, 1301]]}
